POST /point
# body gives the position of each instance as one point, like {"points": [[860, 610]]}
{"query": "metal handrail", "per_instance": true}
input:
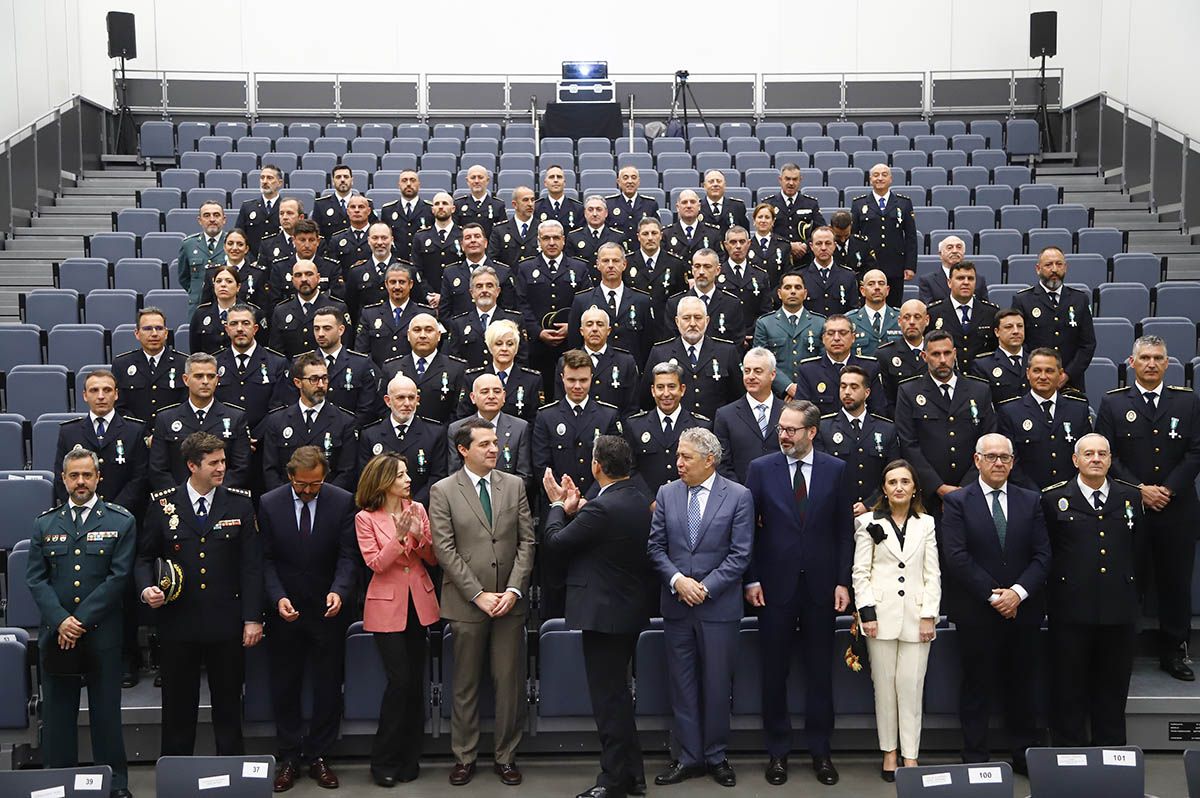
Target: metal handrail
{"points": [[27, 130]]}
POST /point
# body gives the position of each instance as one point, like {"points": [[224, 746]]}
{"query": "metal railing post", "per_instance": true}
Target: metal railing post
{"points": [[1124, 147], [1153, 155], [1187, 151]]}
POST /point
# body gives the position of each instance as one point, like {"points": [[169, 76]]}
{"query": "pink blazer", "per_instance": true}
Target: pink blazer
{"points": [[398, 570]]}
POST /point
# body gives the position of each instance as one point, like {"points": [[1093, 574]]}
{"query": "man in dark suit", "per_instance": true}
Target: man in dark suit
{"points": [[629, 309], [719, 210], [437, 246], [654, 434], [310, 557], [585, 241], [627, 208], [700, 540], [797, 215], [690, 233], [935, 286], [479, 206], [439, 376], [353, 377], [513, 240], [209, 533], [365, 279], [817, 377], [151, 376], [886, 220], [607, 569], [865, 441], [512, 432], [997, 557], [251, 376], [615, 372], [968, 318], [555, 205], [831, 288], [467, 330], [455, 291], [1155, 433], [1004, 369], [724, 309], [277, 245], [332, 211], [800, 575], [746, 426], [657, 272], [1059, 316], [420, 440], [349, 245], [408, 215], [382, 330], [710, 365], [851, 248], [291, 330], [749, 283], [259, 218], [306, 244], [1094, 523]]}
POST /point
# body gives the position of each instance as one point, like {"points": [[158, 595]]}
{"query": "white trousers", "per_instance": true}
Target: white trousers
{"points": [[898, 673]]}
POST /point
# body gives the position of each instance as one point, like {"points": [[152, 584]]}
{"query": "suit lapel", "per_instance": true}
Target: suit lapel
{"points": [[471, 498], [711, 507]]}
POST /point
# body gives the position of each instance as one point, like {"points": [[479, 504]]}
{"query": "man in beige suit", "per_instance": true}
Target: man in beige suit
{"points": [[483, 535]]}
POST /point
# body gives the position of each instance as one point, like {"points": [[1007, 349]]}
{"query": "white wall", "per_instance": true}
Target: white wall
{"points": [[1139, 53]]}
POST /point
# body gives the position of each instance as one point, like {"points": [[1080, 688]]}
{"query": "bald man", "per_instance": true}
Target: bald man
{"points": [[585, 241], [900, 359], [438, 375], [876, 322], [480, 205], [487, 396], [437, 247], [690, 233], [407, 215], [402, 431], [886, 220], [719, 210]]}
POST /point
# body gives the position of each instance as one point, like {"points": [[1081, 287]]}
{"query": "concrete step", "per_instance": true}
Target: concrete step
{"points": [[122, 192], [1089, 180], [1183, 267], [48, 232], [108, 201], [1065, 169], [103, 174], [1107, 202], [83, 224], [1146, 225], [95, 211], [45, 246], [131, 179]]}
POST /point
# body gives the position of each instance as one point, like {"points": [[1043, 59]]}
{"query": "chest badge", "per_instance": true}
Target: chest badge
{"points": [[996, 372], [131, 370], [646, 436], [1131, 416], [1027, 424], [920, 399], [838, 437], [1036, 312], [1063, 504], [561, 429]]}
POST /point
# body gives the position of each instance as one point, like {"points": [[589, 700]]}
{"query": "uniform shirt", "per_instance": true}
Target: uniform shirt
{"points": [[1142, 391], [988, 490], [195, 496], [662, 417], [87, 506], [767, 404], [1088, 490], [315, 410], [108, 419]]}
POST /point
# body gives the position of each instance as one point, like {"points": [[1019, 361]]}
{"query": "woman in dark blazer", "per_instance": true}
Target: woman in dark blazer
{"points": [[776, 256], [393, 535]]}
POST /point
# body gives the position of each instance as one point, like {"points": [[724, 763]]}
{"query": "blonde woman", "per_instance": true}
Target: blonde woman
{"points": [[897, 587], [523, 392]]}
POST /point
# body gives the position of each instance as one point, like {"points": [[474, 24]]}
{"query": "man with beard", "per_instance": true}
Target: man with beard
{"points": [[407, 215], [259, 217], [291, 323], [1059, 317], [306, 245], [479, 206], [251, 376], [382, 330], [364, 280], [420, 440], [353, 377], [724, 309], [331, 211]]}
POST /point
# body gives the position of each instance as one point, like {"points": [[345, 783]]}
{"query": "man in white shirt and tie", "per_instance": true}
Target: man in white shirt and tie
{"points": [[512, 240], [831, 288], [332, 211], [876, 322], [199, 250], [966, 316], [746, 426], [259, 217], [718, 209], [556, 204], [690, 232], [797, 215], [886, 220]]}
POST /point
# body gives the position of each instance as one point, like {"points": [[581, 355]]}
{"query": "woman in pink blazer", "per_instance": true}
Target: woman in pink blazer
{"points": [[393, 535]]}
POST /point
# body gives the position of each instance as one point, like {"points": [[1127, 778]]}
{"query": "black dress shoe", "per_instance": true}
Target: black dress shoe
{"points": [[130, 679], [639, 787], [383, 779], [723, 774], [120, 792], [676, 772], [826, 773], [777, 770], [601, 792], [1177, 668], [887, 775]]}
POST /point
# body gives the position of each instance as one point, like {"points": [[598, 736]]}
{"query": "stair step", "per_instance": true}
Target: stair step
{"points": [[1108, 202], [142, 179], [109, 194], [112, 201], [83, 223], [1147, 225], [117, 171], [1064, 169], [46, 245], [48, 232], [95, 211], [1068, 179]]}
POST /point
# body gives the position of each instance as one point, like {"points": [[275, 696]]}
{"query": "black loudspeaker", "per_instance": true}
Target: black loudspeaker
{"points": [[1043, 34], [122, 39]]}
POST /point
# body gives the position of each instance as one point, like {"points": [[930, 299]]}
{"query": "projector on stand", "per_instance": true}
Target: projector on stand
{"points": [[586, 82]]}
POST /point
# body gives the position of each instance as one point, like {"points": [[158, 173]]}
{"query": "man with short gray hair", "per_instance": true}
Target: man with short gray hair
{"points": [[935, 286], [546, 286], [710, 365], [480, 206], [584, 242], [746, 426]]}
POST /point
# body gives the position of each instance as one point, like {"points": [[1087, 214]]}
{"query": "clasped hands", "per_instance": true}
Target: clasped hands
{"points": [[1005, 601], [496, 605], [565, 491], [69, 632]]}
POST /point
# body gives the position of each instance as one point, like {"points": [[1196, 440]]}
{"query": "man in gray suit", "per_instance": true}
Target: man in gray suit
{"points": [[483, 536], [700, 540], [512, 433]]}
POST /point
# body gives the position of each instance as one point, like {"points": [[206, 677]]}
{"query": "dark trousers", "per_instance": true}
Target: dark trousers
{"points": [[1003, 656], [397, 746], [320, 644], [130, 612], [181, 662], [606, 659], [700, 658], [1091, 668], [895, 277], [777, 630], [60, 712], [1171, 537]]}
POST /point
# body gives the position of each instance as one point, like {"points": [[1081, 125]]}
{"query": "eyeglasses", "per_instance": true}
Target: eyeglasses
{"points": [[307, 485], [153, 329], [316, 379], [998, 458], [789, 431]]}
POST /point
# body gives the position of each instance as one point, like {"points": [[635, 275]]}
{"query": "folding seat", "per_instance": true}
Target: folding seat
{"points": [[1044, 237], [217, 145], [173, 302], [509, 179], [933, 217], [156, 139], [12, 449], [36, 389], [974, 218], [439, 160], [817, 144], [436, 179], [449, 130], [673, 160], [361, 161], [638, 160], [969, 176], [399, 161], [298, 145], [948, 159], [782, 159], [841, 128], [1003, 243], [640, 144], [1002, 294], [484, 159], [949, 196], [382, 196], [122, 339], [936, 236], [927, 176], [989, 159], [485, 130], [913, 128], [994, 197], [413, 147], [224, 179], [755, 179], [1176, 299], [81, 274], [918, 194], [845, 177], [1114, 338], [1072, 216], [181, 220], [595, 160], [826, 197], [256, 145], [1022, 137], [701, 129], [109, 307], [140, 275], [517, 160], [559, 144], [343, 130], [334, 144], [765, 130], [188, 134], [752, 160], [181, 340], [414, 130], [1021, 217], [967, 142], [706, 161], [991, 130], [890, 143], [380, 130], [1090, 771], [1087, 268], [738, 144], [989, 268], [179, 179], [233, 130], [483, 145], [910, 159], [1015, 176], [76, 345], [1123, 300], [865, 159], [855, 143], [198, 196], [562, 686], [929, 144], [799, 130], [315, 179], [374, 145], [824, 161], [728, 130], [876, 129], [949, 127], [593, 144], [1138, 267], [774, 144], [809, 177], [23, 499], [47, 307], [741, 193], [243, 162], [137, 220], [20, 344], [268, 130], [1105, 241]]}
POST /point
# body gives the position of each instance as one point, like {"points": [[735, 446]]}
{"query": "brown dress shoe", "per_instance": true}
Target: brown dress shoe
{"points": [[462, 774], [285, 777], [509, 774], [323, 774]]}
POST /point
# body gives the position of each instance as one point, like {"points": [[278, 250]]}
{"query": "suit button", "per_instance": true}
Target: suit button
{"points": [[76, 567], [901, 578], [1101, 534], [201, 540], [203, 571], [77, 552], [951, 419], [901, 565], [203, 586], [77, 599], [900, 593], [202, 555], [1102, 570], [76, 583], [1102, 552]]}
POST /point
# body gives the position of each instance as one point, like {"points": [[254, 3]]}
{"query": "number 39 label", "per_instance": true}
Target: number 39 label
{"points": [[85, 782]]}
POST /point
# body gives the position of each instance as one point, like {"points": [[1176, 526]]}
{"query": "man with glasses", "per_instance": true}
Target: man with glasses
{"points": [[150, 377], [997, 557], [799, 577], [312, 421], [310, 569], [817, 378]]}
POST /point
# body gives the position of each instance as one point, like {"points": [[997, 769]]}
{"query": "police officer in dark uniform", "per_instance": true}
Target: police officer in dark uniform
{"points": [[831, 288], [523, 392], [749, 283], [479, 206], [436, 247], [1004, 369], [252, 279], [615, 372], [628, 309], [964, 315], [382, 330], [887, 221], [725, 316], [259, 218], [899, 360], [80, 560], [585, 241], [1094, 523], [627, 208], [466, 330], [851, 248], [689, 233], [718, 209], [796, 214], [866, 441], [818, 378], [767, 250], [206, 330], [353, 377], [199, 250], [208, 532], [291, 324], [652, 269], [440, 378], [279, 244], [312, 421], [1043, 424], [1059, 317], [712, 367], [554, 204], [407, 215], [455, 290], [250, 375], [937, 435], [1154, 430], [332, 211], [306, 245], [364, 280], [513, 240], [201, 413], [150, 377], [422, 441], [349, 245], [653, 435]]}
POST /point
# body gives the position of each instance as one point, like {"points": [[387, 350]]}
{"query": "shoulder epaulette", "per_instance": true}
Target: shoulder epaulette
{"points": [[619, 349], [639, 415], [279, 409], [980, 356], [378, 304], [636, 290], [193, 235], [579, 291], [75, 420], [828, 415], [860, 197], [240, 492], [935, 303], [343, 410], [1117, 390], [729, 294], [456, 358], [53, 509], [678, 294], [810, 359], [988, 302], [376, 423], [118, 508], [161, 493], [235, 407], [427, 420], [882, 418], [1073, 397], [123, 354], [613, 196], [1009, 399], [273, 351], [134, 419], [528, 370], [1055, 486], [844, 268], [169, 407], [460, 315], [1026, 290], [658, 343], [605, 404], [1178, 388], [1126, 484], [204, 305], [551, 403], [360, 354], [701, 417], [866, 357], [976, 379], [910, 379], [476, 370], [721, 340]]}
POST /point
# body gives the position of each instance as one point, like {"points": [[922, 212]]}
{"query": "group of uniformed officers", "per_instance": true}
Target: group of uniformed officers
{"points": [[362, 331]]}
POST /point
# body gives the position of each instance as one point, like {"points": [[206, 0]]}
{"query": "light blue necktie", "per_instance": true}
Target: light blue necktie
{"points": [[693, 512], [762, 420]]}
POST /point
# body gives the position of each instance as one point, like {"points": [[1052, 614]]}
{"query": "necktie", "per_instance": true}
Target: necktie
{"points": [[856, 425], [212, 245], [706, 297], [396, 314], [343, 205], [420, 367], [1054, 300], [304, 307], [762, 244], [687, 231], [305, 521], [1151, 400], [329, 361], [800, 490], [794, 320], [200, 416], [946, 391], [242, 360], [153, 363], [595, 361], [998, 518], [224, 316], [485, 499], [557, 207], [667, 425], [877, 325], [692, 356], [762, 420], [401, 431], [442, 235], [553, 264], [739, 272], [612, 302], [1016, 361], [408, 209], [483, 320], [524, 229], [824, 274], [596, 235], [201, 508], [1097, 500], [715, 210], [78, 515], [788, 201], [693, 518], [578, 409], [503, 378], [100, 427], [310, 416], [966, 316], [270, 208], [1046, 406], [650, 264], [883, 204]]}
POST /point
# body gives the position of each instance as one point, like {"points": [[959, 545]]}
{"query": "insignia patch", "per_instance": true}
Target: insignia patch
{"points": [[821, 387], [377, 449], [996, 372], [920, 400], [253, 215], [838, 437], [1027, 425], [1063, 504], [287, 432], [288, 319], [206, 321], [457, 282], [131, 370], [897, 362], [561, 429], [646, 437], [507, 238], [378, 323], [582, 244], [329, 211], [177, 425], [1037, 313], [1131, 416], [535, 274]]}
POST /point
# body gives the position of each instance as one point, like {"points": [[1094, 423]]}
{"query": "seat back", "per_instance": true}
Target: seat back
{"points": [[1109, 772], [23, 500], [195, 776], [988, 780], [76, 345]]}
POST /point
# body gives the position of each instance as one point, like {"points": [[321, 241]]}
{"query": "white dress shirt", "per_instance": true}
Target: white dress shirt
{"points": [[299, 506], [87, 508], [1088, 490], [194, 497]]}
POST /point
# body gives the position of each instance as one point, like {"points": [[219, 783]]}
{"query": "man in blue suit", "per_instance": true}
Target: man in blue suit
{"points": [[699, 544], [997, 554], [746, 426], [800, 575]]}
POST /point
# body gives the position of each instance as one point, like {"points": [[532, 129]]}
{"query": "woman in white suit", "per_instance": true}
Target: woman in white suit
{"points": [[897, 587]]}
